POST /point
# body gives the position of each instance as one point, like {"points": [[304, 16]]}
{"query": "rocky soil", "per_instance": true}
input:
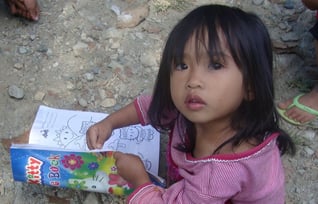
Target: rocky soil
{"points": [[87, 55]]}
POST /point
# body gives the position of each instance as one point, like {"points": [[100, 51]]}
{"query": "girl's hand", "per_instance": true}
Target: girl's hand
{"points": [[97, 134], [131, 168]]}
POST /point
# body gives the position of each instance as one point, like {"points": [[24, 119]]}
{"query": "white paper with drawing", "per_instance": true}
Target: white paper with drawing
{"points": [[66, 129]]}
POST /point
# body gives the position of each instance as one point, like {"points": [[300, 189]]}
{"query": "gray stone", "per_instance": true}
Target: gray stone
{"points": [[23, 50], [15, 92]]}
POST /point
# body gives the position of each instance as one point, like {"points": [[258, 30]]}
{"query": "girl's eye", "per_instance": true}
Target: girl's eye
{"points": [[215, 66], [181, 66]]}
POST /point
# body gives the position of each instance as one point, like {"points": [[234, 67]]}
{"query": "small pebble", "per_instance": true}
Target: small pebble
{"points": [[18, 66], [309, 151], [22, 50], [39, 96], [32, 37], [42, 48], [89, 76], [108, 102], [258, 2], [82, 102], [15, 92]]}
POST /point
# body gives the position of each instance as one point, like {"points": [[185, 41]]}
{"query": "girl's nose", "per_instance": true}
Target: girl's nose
{"points": [[193, 85], [195, 80]]}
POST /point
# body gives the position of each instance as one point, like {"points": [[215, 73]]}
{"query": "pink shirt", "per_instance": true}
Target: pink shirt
{"points": [[254, 176]]}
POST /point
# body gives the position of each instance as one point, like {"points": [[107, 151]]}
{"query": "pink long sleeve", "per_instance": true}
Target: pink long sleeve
{"points": [[253, 176]]}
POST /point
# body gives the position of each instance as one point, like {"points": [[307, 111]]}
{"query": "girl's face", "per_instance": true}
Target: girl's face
{"points": [[205, 89]]}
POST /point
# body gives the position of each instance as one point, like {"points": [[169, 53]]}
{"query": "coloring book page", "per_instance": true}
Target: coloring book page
{"points": [[66, 129]]}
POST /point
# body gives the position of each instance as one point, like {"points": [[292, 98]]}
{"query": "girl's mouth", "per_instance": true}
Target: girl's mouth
{"points": [[194, 102]]}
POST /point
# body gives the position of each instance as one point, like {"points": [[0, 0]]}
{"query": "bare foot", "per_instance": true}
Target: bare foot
{"points": [[310, 99], [28, 9]]}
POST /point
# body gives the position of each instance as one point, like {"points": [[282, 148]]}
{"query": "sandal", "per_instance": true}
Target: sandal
{"points": [[313, 123]]}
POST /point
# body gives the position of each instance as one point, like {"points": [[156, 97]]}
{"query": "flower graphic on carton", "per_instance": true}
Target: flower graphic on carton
{"points": [[72, 161], [93, 166]]}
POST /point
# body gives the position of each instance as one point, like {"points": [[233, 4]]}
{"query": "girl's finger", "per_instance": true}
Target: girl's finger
{"points": [[117, 155]]}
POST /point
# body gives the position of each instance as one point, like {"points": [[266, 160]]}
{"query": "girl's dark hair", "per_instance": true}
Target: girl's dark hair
{"points": [[250, 46]]}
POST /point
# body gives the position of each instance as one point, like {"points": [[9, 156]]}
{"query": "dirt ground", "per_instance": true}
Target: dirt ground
{"points": [[79, 55]]}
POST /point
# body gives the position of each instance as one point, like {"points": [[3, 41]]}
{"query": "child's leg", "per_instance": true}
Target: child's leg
{"points": [[309, 99]]}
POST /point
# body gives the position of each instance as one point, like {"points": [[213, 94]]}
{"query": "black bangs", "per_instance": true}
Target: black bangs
{"points": [[204, 30]]}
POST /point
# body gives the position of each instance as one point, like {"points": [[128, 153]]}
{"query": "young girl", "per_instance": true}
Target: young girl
{"points": [[214, 94]]}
